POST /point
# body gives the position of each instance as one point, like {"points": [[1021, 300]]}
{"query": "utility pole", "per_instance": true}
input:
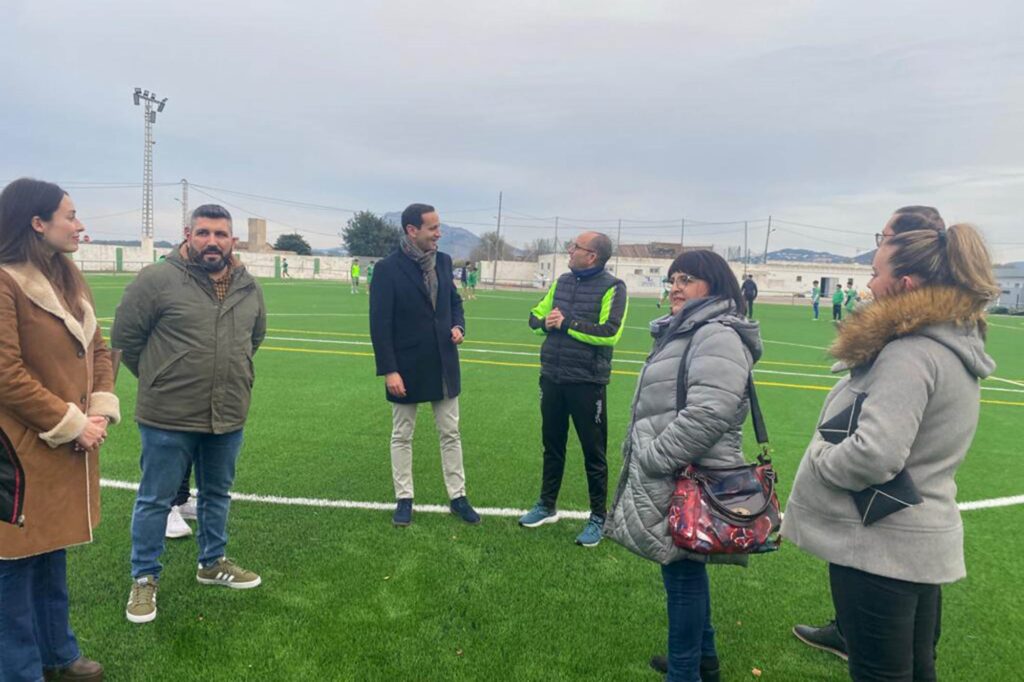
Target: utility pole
{"points": [[148, 99], [555, 252], [618, 247], [746, 250], [766, 236], [682, 234], [185, 222], [497, 246]]}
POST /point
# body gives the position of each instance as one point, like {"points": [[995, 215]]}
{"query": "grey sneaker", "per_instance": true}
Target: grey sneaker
{"points": [[827, 638], [142, 600], [538, 516], [591, 535], [226, 572]]}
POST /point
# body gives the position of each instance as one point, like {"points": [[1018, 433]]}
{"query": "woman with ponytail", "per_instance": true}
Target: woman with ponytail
{"points": [[915, 359], [56, 400]]}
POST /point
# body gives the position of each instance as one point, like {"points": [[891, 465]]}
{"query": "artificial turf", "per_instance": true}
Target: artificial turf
{"points": [[347, 597]]}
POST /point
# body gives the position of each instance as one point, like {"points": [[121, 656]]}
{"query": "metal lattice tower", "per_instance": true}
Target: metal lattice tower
{"points": [[149, 100]]}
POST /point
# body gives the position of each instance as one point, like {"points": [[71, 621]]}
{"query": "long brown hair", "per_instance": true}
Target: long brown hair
{"points": [[953, 257], [20, 202]]}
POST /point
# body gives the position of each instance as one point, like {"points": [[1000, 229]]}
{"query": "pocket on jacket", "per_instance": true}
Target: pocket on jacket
{"points": [[164, 369]]}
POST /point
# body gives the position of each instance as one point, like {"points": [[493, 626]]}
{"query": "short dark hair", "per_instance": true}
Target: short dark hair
{"points": [[712, 268], [910, 218], [211, 211], [413, 215], [601, 245], [814, 282]]}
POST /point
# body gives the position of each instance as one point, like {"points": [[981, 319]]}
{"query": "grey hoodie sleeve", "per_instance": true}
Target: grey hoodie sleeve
{"points": [[716, 382], [898, 388]]}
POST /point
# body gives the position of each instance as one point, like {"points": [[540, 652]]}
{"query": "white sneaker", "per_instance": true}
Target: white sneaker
{"points": [[176, 526], [188, 510]]}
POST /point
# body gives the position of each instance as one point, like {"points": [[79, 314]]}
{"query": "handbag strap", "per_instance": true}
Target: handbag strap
{"points": [[760, 430]]}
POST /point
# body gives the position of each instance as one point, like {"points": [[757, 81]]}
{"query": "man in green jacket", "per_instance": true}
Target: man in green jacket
{"points": [[582, 319], [188, 328], [837, 303]]}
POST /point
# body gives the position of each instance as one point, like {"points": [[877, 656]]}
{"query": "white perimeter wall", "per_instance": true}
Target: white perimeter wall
{"points": [[104, 258], [644, 275]]}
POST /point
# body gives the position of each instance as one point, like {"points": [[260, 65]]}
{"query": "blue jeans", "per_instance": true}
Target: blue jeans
{"points": [[34, 627], [690, 635], [816, 306], [166, 456]]}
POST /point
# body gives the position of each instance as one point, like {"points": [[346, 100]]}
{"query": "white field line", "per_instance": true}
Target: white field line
{"points": [[506, 512], [350, 504], [533, 354]]}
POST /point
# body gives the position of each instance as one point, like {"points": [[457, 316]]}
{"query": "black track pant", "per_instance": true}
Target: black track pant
{"points": [[588, 407], [891, 626]]}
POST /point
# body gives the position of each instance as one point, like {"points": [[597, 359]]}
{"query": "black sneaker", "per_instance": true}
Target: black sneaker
{"points": [[460, 507], [827, 638], [709, 667], [403, 513]]}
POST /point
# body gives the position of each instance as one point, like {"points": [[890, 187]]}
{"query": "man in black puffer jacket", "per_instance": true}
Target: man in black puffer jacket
{"points": [[582, 318]]}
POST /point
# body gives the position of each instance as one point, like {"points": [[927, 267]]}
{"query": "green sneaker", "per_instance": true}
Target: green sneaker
{"points": [[226, 572], [142, 600]]}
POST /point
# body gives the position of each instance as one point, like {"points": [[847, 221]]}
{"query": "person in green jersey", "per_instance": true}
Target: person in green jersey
{"points": [[472, 279], [369, 275], [837, 303], [852, 297], [815, 299], [354, 276]]}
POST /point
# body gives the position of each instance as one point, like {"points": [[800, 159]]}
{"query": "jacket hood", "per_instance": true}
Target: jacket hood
{"points": [[700, 311], [942, 313]]}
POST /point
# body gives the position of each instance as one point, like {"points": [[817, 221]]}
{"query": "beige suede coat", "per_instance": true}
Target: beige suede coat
{"points": [[54, 371]]}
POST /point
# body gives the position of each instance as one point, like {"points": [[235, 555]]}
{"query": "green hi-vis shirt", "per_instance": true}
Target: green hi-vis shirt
{"points": [[837, 297], [815, 294], [355, 270]]}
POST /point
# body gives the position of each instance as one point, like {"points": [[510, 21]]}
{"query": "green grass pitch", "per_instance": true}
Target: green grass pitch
{"points": [[347, 597]]}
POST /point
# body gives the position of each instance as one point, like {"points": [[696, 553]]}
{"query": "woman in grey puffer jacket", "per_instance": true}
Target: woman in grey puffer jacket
{"points": [[708, 327], [915, 357]]}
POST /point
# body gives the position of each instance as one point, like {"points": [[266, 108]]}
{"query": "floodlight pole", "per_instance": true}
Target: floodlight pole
{"points": [[682, 234], [148, 99]]}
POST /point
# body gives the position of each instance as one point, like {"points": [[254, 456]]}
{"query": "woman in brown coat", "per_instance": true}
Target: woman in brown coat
{"points": [[55, 405]]}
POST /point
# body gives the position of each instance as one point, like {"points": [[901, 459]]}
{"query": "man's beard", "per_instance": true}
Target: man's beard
{"points": [[210, 266]]}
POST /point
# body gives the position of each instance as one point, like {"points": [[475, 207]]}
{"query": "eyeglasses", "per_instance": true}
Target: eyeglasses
{"points": [[881, 237], [683, 280], [576, 247]]}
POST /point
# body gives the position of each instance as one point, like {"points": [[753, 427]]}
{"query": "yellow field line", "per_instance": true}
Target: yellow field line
{"points": [[318, 351]]}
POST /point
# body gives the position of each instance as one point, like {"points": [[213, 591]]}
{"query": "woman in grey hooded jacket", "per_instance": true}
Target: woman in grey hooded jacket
{"points": [[707, 326], [915, 357]]}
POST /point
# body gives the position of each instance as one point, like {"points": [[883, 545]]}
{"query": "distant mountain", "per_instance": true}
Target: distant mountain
{"points": [[865, 258], [457, 242], [808, 256]]}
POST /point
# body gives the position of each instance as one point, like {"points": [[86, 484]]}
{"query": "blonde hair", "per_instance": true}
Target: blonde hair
{"points": [[955, 257]]}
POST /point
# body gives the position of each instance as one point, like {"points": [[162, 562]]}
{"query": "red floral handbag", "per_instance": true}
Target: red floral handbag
{"points": [[728, 510]]}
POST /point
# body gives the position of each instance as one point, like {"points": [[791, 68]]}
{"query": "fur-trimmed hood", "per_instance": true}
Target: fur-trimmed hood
{"points": [[942, 313]]}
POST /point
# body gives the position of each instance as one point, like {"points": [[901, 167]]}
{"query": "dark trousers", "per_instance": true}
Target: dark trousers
{"points": [[837, 311], [750, 307], [34, 628], [588, 407], [690, 634], [183, 490], [891, 626]]}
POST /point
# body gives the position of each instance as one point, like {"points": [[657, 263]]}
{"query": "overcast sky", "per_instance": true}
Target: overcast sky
{"points": [[829, 114]]}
